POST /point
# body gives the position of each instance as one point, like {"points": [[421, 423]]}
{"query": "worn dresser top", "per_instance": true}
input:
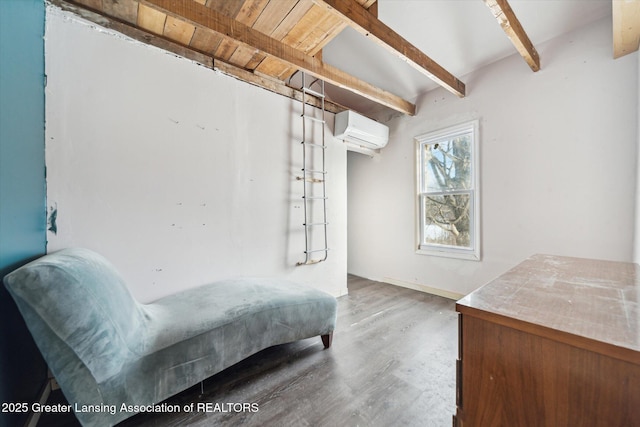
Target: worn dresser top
{"points": [[591, 304]]}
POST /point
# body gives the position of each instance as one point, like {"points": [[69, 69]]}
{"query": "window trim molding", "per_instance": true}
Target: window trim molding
{"points": [[473, 253]]}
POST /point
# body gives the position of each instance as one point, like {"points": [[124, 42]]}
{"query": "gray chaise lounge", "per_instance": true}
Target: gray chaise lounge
{"points": [[105, 349]]}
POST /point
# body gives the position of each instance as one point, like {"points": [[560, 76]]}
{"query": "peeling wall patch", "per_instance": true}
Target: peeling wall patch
{"points": [[52, 218]]}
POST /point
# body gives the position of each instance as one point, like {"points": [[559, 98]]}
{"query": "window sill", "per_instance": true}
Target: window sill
{"points": [[463, 254]]}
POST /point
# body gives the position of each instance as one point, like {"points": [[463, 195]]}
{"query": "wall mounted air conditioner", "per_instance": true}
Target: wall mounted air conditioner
{"points": [[360, 133]]}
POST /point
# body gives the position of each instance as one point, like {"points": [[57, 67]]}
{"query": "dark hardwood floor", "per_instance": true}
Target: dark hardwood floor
{"points": [[392, 363]]}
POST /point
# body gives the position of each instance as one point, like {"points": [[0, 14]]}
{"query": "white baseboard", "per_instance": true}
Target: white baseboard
{"points": [[423, 288]]}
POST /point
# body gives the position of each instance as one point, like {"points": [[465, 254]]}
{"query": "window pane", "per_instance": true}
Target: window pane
{"points": [[447, 220], [447, 164]]}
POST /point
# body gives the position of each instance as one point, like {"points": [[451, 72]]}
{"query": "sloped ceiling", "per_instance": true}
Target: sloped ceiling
{"points": [[461, 35], [375, 55]]}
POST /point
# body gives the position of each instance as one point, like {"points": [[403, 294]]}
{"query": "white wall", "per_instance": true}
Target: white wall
{"points": [[558, 157], [636, 247], [177, 174]]}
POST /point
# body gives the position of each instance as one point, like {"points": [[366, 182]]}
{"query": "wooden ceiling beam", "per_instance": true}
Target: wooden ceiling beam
{"points": [[626, 26], [513, 29], [208, 19], [372, 7], [369, 25]]}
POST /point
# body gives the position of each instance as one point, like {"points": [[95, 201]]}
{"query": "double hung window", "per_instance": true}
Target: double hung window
{"points": [[448, 196]]}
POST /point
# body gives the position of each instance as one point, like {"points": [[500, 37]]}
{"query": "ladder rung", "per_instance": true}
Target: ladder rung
{"points": [[313, 180], [313, 171], [311, 144], [315, 223], [312, 92], [315, 198], [313, 118], [311, 261], [316, 250]]}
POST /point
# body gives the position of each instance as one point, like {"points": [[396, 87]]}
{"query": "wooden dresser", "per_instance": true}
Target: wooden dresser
{"points": [[553, 342]]}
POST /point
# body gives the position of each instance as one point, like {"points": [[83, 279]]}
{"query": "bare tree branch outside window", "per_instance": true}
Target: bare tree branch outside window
{"points": [[448, 170]]}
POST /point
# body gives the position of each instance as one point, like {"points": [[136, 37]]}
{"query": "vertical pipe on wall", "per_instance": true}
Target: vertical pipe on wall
{"points": [[22, 189]]}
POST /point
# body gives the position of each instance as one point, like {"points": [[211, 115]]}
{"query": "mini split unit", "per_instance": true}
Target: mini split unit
{"points": [[360, 133]]}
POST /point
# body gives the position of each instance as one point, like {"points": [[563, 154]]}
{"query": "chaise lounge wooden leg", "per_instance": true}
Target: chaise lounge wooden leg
{"points": [[326, 339]]}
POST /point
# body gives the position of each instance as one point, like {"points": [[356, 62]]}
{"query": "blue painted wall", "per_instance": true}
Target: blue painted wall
{"points": [[22, 189]]}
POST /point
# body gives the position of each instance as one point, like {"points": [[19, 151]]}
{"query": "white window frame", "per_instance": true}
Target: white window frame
{"points": [[473, 251]]}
